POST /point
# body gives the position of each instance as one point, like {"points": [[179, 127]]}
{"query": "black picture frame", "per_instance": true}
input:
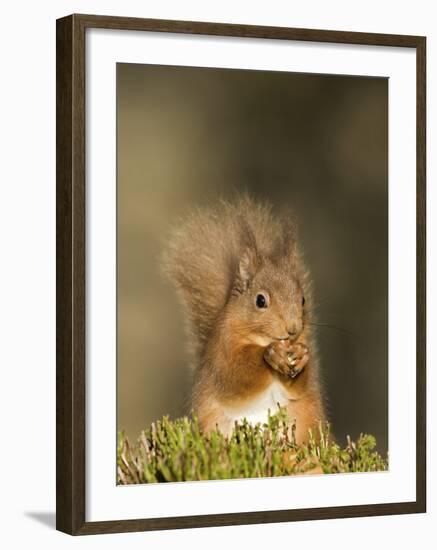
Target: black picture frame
{"points": [[71, 280]]}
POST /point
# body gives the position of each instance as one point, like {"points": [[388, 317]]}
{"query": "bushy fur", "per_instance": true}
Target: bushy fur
{"points": [[205, 250], [222, 260]]}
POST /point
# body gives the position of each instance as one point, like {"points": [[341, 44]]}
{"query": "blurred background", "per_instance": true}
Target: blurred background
{"points": [[318, 143]]}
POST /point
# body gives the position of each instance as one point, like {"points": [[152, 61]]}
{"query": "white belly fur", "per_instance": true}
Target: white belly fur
{"points": [[257, 410]]}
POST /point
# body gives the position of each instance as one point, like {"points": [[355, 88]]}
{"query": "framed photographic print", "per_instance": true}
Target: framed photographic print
{"points": [[240, 274]]}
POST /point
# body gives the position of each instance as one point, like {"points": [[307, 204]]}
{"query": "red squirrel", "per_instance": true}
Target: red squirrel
{"points": [[240, 276]]}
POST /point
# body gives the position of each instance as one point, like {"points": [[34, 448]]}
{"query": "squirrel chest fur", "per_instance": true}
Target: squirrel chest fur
{"points": [[240, 276], [256, 409]]}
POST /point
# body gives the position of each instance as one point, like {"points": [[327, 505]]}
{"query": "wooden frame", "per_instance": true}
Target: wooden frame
{"points": [[70, 298]]}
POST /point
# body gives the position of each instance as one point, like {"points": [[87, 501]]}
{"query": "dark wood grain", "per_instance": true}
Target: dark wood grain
{"points": [[421, 275], [64, 447], [247, 31], [71, 279], [246, 518]]}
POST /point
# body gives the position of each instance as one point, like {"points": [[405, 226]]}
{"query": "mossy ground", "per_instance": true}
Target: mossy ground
{"points": [[178, 451]]}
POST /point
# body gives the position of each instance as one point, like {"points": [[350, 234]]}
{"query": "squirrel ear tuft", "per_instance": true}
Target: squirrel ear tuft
{"points": [[246, 269]]}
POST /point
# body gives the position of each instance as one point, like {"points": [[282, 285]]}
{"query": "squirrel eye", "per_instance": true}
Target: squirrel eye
{"points": [[303, 301], [261, 301]]}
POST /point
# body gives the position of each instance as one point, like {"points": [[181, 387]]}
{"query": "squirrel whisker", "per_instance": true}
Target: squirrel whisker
{"points": [[326, 325]]}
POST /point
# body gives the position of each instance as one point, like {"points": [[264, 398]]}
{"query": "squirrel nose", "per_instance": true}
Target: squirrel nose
{"points": [[293, 330]]}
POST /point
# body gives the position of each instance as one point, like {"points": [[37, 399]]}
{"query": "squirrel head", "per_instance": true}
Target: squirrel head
{"points": [[268, 299]]}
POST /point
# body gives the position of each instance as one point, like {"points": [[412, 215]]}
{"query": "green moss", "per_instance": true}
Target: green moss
{"points": [[178, 451]]}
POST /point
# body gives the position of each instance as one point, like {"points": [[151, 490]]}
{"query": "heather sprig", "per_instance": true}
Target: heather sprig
{"points": [[177, 450]]}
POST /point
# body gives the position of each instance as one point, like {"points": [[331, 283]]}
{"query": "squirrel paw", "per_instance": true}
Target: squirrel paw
{"points": [[287, 358]]}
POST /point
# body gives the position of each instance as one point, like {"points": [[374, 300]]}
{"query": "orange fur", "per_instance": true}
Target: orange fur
{"points": [[221, 260]]}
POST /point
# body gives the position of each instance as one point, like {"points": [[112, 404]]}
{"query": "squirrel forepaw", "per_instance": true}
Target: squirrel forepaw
{"points": [[287, 358]]}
